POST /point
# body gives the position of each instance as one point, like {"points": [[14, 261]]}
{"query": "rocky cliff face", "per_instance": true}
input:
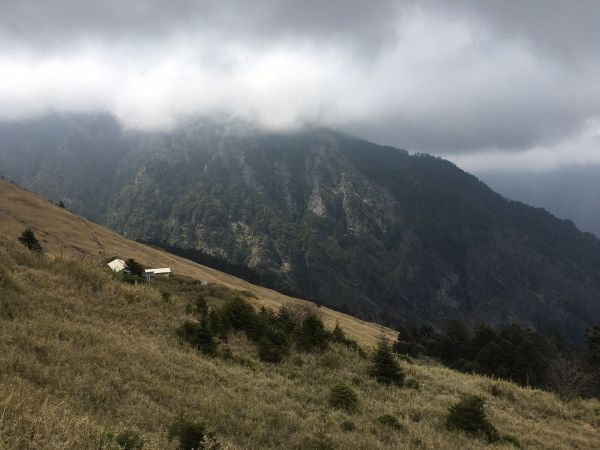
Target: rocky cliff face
{"points": [[371, 230]]}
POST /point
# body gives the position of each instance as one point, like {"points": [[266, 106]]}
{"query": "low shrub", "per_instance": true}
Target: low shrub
{"points": [[192, 435], [343, 397], [200, 305], [347, 425], [498, 391], [129, 440], [468, 415], [390, 421]]}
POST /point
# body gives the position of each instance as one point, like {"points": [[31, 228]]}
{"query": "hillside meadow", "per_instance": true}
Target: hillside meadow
{"points": [[86, 356]]}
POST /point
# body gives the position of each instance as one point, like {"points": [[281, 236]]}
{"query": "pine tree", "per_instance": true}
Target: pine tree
{"points": [[199, 336], [269, 351], [469, 415], [338, 335], [385, 368], [134, 267], [240, 315], [285, 320], [312, 335], [29, 240]]}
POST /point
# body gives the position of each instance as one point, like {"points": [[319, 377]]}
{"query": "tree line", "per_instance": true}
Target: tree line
{"points": [[513, 352]]}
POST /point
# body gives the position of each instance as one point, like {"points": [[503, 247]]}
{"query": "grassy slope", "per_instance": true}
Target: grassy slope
{"points": [[84, 354], [67, 234]]}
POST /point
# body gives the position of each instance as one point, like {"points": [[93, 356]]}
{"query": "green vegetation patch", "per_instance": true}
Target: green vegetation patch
{"points": [[343, 397], [390, 421]]}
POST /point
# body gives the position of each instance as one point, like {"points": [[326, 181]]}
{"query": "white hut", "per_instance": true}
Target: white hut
{"points": [[117, 265], [149, 274]]}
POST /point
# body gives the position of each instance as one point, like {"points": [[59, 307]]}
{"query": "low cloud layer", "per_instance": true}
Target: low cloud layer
{"points": [[485, 83]]}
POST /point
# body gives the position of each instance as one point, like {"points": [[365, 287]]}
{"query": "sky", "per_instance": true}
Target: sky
{"points": [[492, 85]]}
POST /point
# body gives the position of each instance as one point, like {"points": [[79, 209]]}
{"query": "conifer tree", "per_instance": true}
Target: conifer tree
{"points": [[385, 368], [312, 335], [199, 336], [285, 320], [338, 335], [269, 351], [135, 268]]}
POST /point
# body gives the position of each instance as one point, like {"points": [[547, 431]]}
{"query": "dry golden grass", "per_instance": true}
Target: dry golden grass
{"points": [[83, 355], [65, 234]]}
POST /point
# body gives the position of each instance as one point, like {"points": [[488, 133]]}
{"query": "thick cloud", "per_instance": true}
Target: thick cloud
{"points": [[579, 148], [486, 83], [42, 24], [565, 29]]}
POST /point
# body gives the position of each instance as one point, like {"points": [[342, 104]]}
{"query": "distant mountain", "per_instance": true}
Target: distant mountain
{"points": [[370, 230], [571, 192]]}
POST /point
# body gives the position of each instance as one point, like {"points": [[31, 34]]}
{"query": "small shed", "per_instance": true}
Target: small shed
{"points": [[149, 274], [117, 265]]}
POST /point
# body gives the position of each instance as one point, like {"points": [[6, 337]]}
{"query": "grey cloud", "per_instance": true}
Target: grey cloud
{"points": [[366, 25], [568, 27], [565, 29], [461, 77]]}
